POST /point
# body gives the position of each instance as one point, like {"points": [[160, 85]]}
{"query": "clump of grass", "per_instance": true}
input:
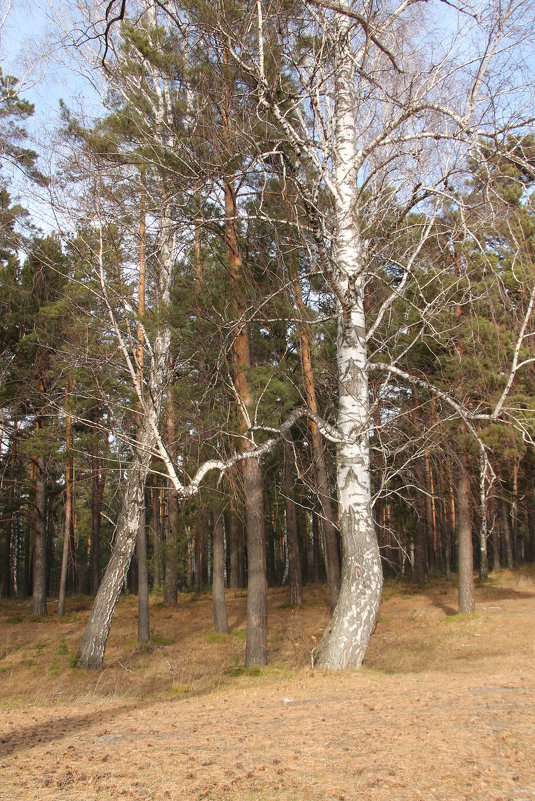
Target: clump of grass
{"points": [[180, 690], [39, 647], [62, 648], [216, 636], [239, 634], [161, 639]]}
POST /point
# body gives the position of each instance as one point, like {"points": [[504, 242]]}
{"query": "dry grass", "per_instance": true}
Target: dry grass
{"points": [[443, 708]]}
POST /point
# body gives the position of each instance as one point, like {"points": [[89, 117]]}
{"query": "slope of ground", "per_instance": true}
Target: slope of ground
{"points": [[443, 709]]}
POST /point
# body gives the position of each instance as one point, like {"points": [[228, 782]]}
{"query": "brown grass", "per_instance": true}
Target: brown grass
{"points": [[443, 708]]}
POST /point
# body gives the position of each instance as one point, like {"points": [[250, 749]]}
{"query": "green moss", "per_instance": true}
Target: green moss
{"points": [[216, 636]]}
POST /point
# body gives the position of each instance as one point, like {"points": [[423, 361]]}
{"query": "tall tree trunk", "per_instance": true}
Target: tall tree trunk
{"points": [[68, 505], [97, 493], [99, 623], [295, 577], [322, 482], [98, 626], [30, 523], [483, 530], [39, 545], [8, 583], [155, 499], [235, 534], [171, 534], [506, 530], [316, 567], [256, 645], [346, 638], [218, 581], [143, 626], [464, 534], [201, 524], [421, 522], [515, 528]]}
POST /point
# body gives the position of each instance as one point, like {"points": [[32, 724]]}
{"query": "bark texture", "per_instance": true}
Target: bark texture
{"points": [[295, 580], [330, 535], [346, 638], [218, 581], [39, 547], [467, 602], [256, 646]]}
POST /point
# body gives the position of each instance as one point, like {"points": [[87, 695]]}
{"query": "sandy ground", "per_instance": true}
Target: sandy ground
{"points": [[443, 709]]}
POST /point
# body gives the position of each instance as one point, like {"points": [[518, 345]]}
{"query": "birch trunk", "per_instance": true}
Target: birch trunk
{"points": [[346, 638], [96, 633]]}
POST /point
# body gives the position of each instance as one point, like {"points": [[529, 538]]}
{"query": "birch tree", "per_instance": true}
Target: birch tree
{"points": [[377, 109]]}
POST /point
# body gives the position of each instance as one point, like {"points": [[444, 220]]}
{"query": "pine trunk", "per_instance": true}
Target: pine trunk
{"points": [[39, 546], [330, 534], [295, 580], [68, 508], [8, 583], [218, 582], [256, 645], [464, 535], [97, 489]]}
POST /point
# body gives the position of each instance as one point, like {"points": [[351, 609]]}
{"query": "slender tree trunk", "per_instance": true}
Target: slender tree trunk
{"points": [[515, 529], [171, 544], [68, 505], [201, 524], [143, 627], [218, 582], [421, 522], [235, 533], [39, 545], [483, 530], [316, 567], [320, 469], [97, 494], [295, 577], [256, 645], [30, 523], [155, 493], [7, 583], [464, 533], [346, 638], [506, 530], [98, 627]]}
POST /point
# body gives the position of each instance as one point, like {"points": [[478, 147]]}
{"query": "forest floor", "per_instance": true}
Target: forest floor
{"points": [[444, 707]]}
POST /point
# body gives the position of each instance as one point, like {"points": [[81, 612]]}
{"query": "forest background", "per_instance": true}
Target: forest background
{"points": [[279, 326]]}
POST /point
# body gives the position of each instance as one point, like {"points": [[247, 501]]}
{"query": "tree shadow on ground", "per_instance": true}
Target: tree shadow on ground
{"points": [[50, 731]]}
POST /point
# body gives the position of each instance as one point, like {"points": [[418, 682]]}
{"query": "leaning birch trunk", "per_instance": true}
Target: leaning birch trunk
{"points": [[98, 627], [345, 640]]}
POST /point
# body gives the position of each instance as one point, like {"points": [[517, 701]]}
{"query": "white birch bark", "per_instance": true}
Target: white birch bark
{"points": [[346, 638]]}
